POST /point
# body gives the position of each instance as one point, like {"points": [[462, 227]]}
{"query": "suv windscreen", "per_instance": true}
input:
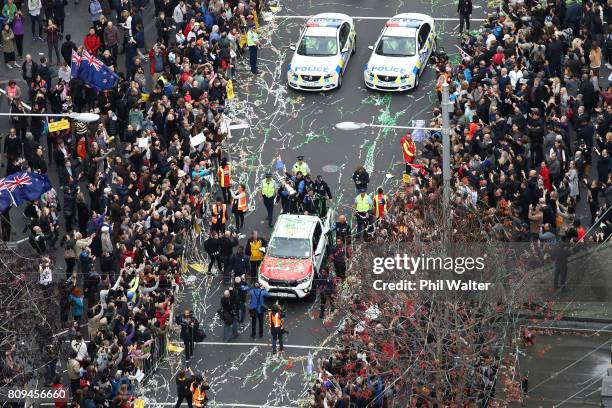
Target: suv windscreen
{"points": [[281, 247]]}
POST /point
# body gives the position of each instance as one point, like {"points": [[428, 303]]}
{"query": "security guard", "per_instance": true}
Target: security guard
{"points": [[253, 44], [275, 317], [224, 174], [381, 204], [219, 216], [268, 193], [409, 151], [198, 389], [300, 166], [363, 206]]}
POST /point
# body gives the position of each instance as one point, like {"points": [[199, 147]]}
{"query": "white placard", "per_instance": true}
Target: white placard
{"points": [[198, 139]]}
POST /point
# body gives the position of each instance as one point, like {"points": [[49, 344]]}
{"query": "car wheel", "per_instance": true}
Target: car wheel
{"points": [[416, 80], [339, 81], [354, 46]]}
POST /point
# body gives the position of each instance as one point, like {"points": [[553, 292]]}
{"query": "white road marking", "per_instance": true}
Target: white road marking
{"points": [[296, 346], [377, 18]]}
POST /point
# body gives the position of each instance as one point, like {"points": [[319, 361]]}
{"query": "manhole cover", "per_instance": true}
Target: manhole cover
{"points": [[331, 168]]}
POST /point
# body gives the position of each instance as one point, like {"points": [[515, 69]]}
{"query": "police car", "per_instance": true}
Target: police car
{"points": [[294, 255], [401, 53], [322, 53]]}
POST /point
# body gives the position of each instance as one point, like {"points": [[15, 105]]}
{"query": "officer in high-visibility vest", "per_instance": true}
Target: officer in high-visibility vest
{"points": [[275, 318], [219, 216], [253, 44], [268, 193], [300, 166], [224, 174], [381, 204], [363, 206], [198, 389]]}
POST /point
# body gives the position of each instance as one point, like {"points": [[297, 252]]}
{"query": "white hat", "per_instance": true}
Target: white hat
{"points": [[105, 228], [107, 190]]}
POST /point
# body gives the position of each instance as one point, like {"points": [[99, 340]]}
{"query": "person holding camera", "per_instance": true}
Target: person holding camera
{"points": [[189, 328], [257, 307]]}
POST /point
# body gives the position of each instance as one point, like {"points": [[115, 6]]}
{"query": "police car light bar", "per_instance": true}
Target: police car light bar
{"points": [[323, 22], [402, 22]]}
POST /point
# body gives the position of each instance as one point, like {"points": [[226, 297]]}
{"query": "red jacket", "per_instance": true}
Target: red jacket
{"points": [[408, 149], [164, 55], [92, 43]]}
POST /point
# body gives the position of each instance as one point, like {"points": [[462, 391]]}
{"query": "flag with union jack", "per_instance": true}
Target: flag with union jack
{"points": [[92, 71], [18, 188]]}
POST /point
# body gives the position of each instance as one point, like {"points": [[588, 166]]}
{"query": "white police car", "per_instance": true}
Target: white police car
{"points": [[401, 53], [322, 53]]}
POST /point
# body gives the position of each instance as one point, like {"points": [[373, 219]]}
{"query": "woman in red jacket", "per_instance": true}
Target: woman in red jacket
{"points": [[92, 42]]}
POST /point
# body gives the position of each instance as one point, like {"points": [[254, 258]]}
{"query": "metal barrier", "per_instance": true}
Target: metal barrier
{"points": [[157, 350]]}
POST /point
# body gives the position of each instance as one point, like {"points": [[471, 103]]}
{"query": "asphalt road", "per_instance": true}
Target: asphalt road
{"points": [[566, 371], [285, 123]]}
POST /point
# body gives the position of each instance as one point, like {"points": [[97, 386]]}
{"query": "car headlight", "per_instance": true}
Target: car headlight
{"points": [[329, 75], [303, 280], [406, 77]]}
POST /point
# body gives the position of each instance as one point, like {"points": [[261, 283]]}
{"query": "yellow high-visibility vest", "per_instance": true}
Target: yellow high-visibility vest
{"points": [[252, 38], [268, 188], [363, 204]]}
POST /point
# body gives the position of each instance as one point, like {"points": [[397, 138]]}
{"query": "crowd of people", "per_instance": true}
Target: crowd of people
{"points": [[530, 145], [530, 159], [129, 189]]}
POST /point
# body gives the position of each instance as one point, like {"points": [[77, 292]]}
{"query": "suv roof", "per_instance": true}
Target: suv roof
{"points": [[295, 226]]}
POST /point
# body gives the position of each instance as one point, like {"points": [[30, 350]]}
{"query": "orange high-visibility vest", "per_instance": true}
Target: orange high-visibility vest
{"points": [[215, 212], [242, 202], [224, 174], [381, 205], [199, 396], [275, 320]]}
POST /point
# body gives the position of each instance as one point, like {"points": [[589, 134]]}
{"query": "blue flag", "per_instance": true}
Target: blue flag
{"points": [[21, 187], [93, 72]]}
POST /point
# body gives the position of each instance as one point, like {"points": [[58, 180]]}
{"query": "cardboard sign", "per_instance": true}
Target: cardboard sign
{"points": [[59, 125]]}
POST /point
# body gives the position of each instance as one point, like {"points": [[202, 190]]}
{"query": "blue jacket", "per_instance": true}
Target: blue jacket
{"points": [[257, 296], [77, 305]]}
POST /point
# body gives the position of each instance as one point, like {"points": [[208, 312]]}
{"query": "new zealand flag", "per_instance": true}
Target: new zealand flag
{"points": [[92, 71]]}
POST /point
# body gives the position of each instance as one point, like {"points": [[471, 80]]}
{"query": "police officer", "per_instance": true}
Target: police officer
{"points": [[363, 206], [275, 317], [322, 194], [300, 167], [253, 44], [268, 193]]}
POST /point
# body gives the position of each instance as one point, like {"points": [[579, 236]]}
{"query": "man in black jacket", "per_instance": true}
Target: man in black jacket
{"points": [[66, 50], [189, 327], [226, 245], [211, 246], [183, 387], [464, 8]]}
